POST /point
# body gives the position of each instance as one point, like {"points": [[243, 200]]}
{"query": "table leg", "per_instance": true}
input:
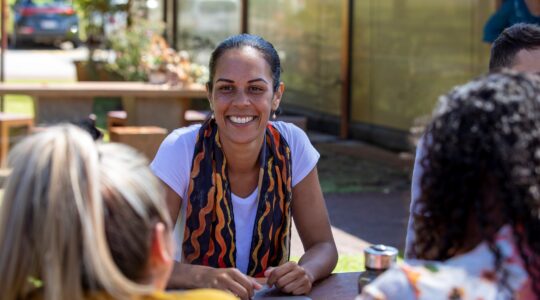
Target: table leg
{"points": [[4, 141]]}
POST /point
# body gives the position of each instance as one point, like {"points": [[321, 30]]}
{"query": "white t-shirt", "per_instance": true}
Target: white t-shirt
{"points": [[172, 164]]}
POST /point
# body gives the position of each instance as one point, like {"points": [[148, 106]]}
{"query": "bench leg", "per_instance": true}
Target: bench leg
{"points": [[4, 144]]}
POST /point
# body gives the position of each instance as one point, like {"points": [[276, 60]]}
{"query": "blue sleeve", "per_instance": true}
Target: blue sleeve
{"points": [[498, 21]]}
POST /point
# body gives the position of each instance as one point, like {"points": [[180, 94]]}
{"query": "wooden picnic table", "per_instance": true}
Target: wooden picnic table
{"points": [[343, 286], [146, 104]]}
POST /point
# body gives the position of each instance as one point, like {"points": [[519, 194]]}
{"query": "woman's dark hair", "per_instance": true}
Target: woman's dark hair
{"points": [[482, 171], [247, 40]]}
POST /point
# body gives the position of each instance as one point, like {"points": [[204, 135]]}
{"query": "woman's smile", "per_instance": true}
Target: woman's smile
{"points": [[241, 120]]}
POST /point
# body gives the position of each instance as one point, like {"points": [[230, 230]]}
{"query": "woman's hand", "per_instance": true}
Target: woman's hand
{"points": [[290, 278], [232, 280]]}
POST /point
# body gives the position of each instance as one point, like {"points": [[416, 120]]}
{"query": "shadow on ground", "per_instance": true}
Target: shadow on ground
{"points": [[367, 194]]}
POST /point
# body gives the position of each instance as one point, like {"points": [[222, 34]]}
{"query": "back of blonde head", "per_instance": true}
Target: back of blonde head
{"points": [[51, 221]]}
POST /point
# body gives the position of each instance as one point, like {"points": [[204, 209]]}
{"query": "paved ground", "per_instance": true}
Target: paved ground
{"points": [[366, 193], [41, 62]]}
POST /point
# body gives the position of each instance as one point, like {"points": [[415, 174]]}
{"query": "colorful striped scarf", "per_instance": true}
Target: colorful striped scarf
{"points": [[209, 236]]}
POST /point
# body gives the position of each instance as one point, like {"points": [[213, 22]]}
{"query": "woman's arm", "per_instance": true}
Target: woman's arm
{"points": [[174, 203], [320, 257], [193, 276]]}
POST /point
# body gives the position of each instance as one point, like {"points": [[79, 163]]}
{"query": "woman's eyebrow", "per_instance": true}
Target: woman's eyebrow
{"points": [[257, 79], [226, 80]]}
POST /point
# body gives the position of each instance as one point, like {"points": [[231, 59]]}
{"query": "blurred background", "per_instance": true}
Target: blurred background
{"points": [[365, 69]]}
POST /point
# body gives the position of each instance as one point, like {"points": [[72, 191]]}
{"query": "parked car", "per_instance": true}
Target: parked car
{"points": [[44, 21]]}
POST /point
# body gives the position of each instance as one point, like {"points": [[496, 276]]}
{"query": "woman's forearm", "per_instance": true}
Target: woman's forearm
{"points": [[319, 260], [187, 276]]}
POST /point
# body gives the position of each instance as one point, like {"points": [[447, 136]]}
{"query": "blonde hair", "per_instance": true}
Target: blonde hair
{"points": [[52, 228]]}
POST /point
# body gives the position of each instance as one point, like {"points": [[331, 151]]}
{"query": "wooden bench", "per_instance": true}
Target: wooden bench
{"points": [[7, 122], [146, 139], [119, 117]]}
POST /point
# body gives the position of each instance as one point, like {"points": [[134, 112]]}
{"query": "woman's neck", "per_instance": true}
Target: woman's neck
{"points": [[243, 166], [534, 7], [242, 158]]}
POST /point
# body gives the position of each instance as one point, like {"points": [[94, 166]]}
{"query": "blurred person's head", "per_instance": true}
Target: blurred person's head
{"points": [[137, 223], [482, 171], [518, 48], [55, 226]]}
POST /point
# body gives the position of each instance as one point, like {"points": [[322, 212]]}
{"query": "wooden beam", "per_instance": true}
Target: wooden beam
{"points": [[3, 46], [346, 60], [244, 14]]}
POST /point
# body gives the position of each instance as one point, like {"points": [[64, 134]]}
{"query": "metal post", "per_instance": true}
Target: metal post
{"points": [[3, 15], [244, 15], [346, 61]]}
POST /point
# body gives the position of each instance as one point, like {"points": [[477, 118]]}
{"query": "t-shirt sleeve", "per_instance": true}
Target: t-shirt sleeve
{"points": [[304, 156], [173, 160]]}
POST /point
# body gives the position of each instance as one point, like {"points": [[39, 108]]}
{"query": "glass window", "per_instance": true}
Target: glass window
{"points": [[203, 24]]}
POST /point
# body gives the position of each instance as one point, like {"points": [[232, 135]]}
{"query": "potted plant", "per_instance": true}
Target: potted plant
{"points": [[93, 16]]}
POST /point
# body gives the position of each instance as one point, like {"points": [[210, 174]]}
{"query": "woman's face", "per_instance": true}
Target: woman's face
{"points": [[243, 98]]}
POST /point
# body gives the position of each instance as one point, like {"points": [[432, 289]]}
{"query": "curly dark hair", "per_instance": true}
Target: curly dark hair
{"points": [[482, 171]]}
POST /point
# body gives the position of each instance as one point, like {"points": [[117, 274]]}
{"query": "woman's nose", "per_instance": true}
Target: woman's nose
{"points": [[242, 98]]}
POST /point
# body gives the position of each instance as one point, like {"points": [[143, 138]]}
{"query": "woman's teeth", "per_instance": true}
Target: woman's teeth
{"points": [[240, 120]]}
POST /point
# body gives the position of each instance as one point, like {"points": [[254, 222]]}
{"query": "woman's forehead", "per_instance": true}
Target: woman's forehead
{"points": [[246, 61]]}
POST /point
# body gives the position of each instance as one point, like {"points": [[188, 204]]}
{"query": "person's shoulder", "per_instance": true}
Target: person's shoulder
{"points": [[391, 283], [289, 130], [188, 132], [182, 136], [198, 294]]}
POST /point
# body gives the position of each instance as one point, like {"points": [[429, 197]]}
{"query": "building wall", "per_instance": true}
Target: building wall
{"points": [[308, 36], [405, 54]]}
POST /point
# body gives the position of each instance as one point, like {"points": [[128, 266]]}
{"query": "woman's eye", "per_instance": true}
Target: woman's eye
{"points": [[256, 89], [225, 88]]}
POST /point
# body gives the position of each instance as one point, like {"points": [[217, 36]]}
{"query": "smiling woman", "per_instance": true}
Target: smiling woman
{"points": [[235, 182]]}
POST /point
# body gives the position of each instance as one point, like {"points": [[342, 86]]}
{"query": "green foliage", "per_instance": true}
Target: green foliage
{"points": [[91, 18], [129, 46]]}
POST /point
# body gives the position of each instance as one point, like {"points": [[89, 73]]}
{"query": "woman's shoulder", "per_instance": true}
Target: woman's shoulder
{"points": [[184, 134], [179, 140], [289, 131], [198, 294]]}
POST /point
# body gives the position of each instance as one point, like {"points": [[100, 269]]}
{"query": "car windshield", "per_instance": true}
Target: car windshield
{"points": [[44, 2]]}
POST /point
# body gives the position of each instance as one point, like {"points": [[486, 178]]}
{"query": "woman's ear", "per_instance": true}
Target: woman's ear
{"points": [[276, 100], [209, 96]]}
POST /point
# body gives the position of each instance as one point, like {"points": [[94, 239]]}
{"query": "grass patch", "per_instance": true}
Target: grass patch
{"points": [[19, 104], [351, 263], [346, 263]]}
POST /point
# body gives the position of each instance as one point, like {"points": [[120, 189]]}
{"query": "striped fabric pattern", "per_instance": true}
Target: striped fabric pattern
{"points": [[209, 236]]}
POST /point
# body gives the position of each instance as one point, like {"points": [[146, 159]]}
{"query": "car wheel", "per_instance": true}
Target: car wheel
{"points": [[13, 43], [76, 43]]}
